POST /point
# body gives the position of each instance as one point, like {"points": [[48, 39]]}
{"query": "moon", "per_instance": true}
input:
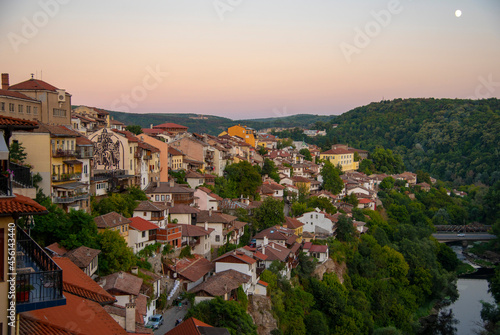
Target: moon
{"points": [[458, 13]]}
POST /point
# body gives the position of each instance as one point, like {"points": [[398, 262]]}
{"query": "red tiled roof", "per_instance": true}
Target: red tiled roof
{"points": [[238, 255], [263, 283], [222, 283], [15, 94], [123, 282], [194, 231], [33, 84], [128, 135], [77, 282], [338, 151], [95, 321], [188, 327], [12, 121], [141, 224], [82, 140], [193, 268], [82, 256], [20, 205], [170, 125], [152, 131], [29, 326], [174, 152], [292, 223], [57, 249], [110, 220]]}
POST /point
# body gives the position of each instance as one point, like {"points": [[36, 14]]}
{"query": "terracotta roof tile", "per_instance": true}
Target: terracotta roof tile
{"points": [[77, 282], [193, 268], [110, 220], [123, 282], [170, 125], [20, 205], [222, 283], [141, 224], [194, 231], [33, 84], [292, 223], [98, 321], [13, 121], [15, 94], [82, 256], [57, 249], [30, 326], [188, 327]]}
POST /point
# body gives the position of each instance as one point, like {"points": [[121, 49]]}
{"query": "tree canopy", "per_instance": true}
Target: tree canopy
{"points": [[331, 178]]}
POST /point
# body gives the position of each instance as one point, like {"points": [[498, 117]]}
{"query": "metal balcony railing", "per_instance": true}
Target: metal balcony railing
{"points": [[21, 175], [38, 278], [67, 200], [63, 153]]}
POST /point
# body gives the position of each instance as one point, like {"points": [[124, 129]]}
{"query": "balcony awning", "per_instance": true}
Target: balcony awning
{"points": [[71, 186], [4, 150], [72, 162]]}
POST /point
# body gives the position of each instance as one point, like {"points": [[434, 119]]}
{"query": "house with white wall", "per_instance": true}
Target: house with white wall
{"points": [[317, 222]]}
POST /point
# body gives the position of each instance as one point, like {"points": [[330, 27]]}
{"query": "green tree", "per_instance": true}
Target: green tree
{"points": [[270, 169], [386, 161], [367, 167], [245, 178], [227, 314], [136, 129], [316, 323], [321, 203], [345, 229], [423, 177], [269, 213], [387, 183], [262, 151], [80, 230], [306, 153], [115, 254], [331, 178], [16, 152]]}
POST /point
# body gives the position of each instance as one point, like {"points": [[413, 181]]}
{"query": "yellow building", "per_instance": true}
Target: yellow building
{"points": [[163, 154], [16, 104], [296, 226], [338, 155], [113, 221], [249, 135], [99, 115]]}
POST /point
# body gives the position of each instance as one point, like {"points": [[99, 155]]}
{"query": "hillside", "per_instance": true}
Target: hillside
{"points": [[452, 139], [214, 125]]}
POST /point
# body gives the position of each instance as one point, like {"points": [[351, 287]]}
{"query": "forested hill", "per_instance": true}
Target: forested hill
{"points": [[452, 139], [214, 125]]}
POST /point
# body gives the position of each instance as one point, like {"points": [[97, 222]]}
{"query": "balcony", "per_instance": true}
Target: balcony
{"points": [[84, 154], [68, 200], [38, 278], [63, 153], [66, 176]]}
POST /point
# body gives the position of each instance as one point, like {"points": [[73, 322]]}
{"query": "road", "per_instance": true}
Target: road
{"points": [[467, 237], [170, 316]]}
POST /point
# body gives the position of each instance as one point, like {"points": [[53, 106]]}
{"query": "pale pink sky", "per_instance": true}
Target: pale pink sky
{"points": [[255, 59]]}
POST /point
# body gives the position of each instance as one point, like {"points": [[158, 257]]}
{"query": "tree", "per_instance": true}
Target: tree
{"points": [[245, 178], [423, 177], [387, 183], [270, 169], [115, 254], [299, 208], [367, 167], [345, 229], [321, 203], [16, 152], [136, 129], [331, 178], [306, 153], [227, 314], [262, 151], [80, 230], [386, 161], [269, 214], [316, 323]]}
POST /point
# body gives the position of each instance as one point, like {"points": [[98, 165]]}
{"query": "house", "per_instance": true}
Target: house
{"points": [[163, 152], [367, 203], [194, 179], [277, 252], [279, 235], [360, 226], [424, 186], [183, 214], [198, 238], [340, 155], [271, 189], [296, 226], [100, 116], [141, 234], [85, 258], [194, 326], [206, 199], [319, 252], [249, 135], [239, 260], [222, 284], [317, 222], [153, 212], [170, 192], [55, 103], [302, 183], [113, 221], [170, 127], [175, 159], [223, 225], [190, 271], [16, 104]]}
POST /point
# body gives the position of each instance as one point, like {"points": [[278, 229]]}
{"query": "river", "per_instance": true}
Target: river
{"points": [[467, 308]]}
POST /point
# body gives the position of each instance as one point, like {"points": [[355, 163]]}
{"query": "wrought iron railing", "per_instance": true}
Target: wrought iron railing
{"points": [[38, 278], [5, 186], [21, 174], [67, 200], [63, 153]]}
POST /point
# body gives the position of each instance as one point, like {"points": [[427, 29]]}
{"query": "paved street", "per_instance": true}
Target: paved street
{"points": [[467, 237], [170, 316]]}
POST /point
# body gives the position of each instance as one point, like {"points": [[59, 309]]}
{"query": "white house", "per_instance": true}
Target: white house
{"points": [[141, 233], [153, 212], [317, 222], [317, 251], [206, 199]]}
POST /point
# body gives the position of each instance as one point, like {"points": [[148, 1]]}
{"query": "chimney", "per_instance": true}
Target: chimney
{"points": [[263, 249], [130, 317], [206, 225], [120, 275], [5, 81], [134, 270], [151, 125], [265, 241], [210, 212]]}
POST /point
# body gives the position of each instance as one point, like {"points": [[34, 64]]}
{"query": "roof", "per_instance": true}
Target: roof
{"points": [[165, 187], [194, 231], [82, 140], [141, 224], [127, 134], [67, 317], [222, 283], [77, 282], [123, 282], [174, 151], [17, 124], [170, 125], [151, 131], [238, 254], [183, 209], [17, 95], [214, 217], [210, 193], [82, 256], [32, 85], [315, 248], [337, 151], [275, 251], [110, 220], [193, 268], [292, 223], [194, 174], [29, 326], [56, 130], [57, 249], [149, 206], [194, 326], [271, 233], [263, 283], [20, 205]]}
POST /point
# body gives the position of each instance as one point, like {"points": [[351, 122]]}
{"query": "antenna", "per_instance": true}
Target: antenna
{"points": [[32, 76]]}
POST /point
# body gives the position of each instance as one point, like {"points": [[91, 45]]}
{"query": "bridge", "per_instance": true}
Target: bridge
{"points": [[463, 237], [470, 228]]}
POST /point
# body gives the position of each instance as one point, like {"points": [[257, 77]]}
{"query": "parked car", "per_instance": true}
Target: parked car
{"points": [[155, 321], [461, 235]]}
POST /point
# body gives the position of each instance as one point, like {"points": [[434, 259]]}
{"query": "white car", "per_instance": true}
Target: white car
{"points": [[461, 235]]}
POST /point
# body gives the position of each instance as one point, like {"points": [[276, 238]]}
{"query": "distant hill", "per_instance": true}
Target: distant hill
{"points": [[214, 125], [452, 139]]}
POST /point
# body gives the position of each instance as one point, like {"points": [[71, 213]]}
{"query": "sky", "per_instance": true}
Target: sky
{"points": [[246, 59]]}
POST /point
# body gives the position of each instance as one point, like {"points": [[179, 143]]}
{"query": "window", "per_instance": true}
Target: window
{"points": [[35, 110], [20, 109], [143, 234], [2, 106], [217, 238], [11, 108], [59, 112], [28, 109], [157, 197], [144, 214], [162, 197]]}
